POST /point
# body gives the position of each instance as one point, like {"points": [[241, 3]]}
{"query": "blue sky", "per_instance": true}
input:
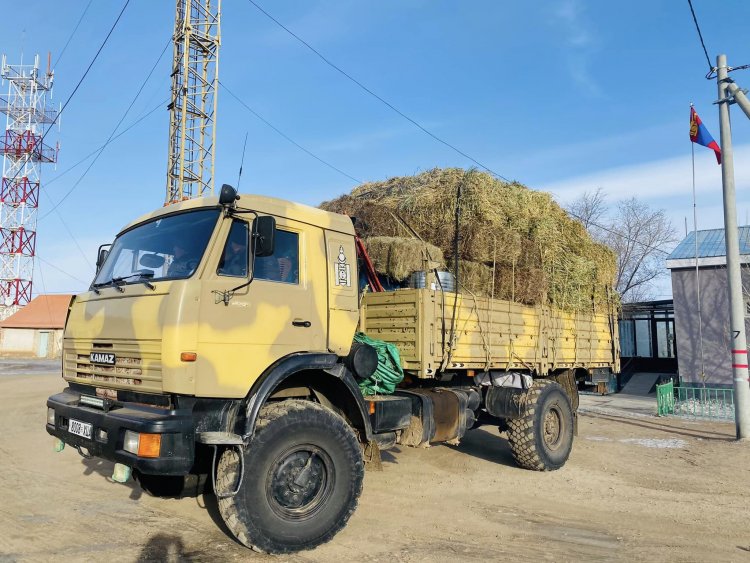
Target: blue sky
{"points": [[562, 95]]}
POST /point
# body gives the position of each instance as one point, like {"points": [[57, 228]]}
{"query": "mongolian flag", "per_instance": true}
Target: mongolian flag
{"points": [[699, 134]]}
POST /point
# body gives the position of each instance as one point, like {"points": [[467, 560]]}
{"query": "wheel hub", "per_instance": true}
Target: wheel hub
{"points": [[300, 482], [552, 428]]}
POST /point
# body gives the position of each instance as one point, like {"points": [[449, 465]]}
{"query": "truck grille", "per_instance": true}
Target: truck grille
{"points": [[137, 365]]}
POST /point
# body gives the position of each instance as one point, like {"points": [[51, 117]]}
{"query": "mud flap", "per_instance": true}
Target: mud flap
{"points": [[371, 456]]}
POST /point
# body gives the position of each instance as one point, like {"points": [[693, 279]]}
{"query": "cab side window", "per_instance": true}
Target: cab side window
{"points": [[283, 265], [234, 258]]}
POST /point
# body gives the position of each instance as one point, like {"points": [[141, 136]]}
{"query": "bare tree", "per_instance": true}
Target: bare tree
{"points": [[636, 233], [590, 208]]}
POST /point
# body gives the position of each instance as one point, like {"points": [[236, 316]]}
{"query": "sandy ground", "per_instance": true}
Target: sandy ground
{"points": [[636, 488]]}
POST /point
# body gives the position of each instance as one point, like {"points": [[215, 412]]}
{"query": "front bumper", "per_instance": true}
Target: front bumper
{"points": [[176, 426]]}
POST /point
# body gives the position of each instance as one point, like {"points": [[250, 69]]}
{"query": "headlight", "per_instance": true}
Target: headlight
{"points": [[50, 416], [132, 439]]}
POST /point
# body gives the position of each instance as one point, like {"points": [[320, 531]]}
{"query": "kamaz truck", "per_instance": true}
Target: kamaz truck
{"points": [[217, 345]]}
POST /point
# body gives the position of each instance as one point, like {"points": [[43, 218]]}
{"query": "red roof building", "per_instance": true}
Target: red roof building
{"points": [[36, 329]]}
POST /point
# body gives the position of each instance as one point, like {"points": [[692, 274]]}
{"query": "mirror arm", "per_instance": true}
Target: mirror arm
{"points": [[231, 211], [227, 295]]}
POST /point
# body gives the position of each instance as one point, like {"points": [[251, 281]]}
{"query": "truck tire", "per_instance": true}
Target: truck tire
{"points": [[542, 438], [302, 479]]}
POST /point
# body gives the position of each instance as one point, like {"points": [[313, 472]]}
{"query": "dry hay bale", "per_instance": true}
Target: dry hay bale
{"points": [[398, 257], [474, 277], [540, 254]]}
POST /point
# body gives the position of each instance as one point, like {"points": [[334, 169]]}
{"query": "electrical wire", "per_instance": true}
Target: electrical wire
{"points": [[44, 289], [62, 109], [287, 137], [700, 36], [373, 94], [112, 134], [96, 150], [51, 265], [613, 232], [72, 33]]}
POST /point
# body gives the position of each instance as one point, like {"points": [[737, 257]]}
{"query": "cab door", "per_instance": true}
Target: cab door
{"points": [[243, 332]]}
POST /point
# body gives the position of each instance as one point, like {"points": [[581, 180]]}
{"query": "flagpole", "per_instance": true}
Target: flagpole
{"points": [[697, 271]]}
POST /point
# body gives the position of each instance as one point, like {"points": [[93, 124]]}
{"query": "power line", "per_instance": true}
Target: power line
{"points": [[287, 137], [96, 56], [626, 237], [373, 94], [96, 150], [60, 270], [111, 135], [72, 33], [700, 36]]}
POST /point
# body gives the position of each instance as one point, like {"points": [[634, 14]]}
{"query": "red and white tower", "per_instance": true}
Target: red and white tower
{"points": [[23, 150]]}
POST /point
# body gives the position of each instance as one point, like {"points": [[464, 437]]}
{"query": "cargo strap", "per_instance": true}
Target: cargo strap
{"points": [[372, 275]]}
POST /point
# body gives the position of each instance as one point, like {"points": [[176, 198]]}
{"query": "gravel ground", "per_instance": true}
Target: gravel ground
{"points": [[636, 488]]}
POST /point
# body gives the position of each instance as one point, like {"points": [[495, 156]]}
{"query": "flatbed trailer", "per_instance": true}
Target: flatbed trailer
{"points": [[485, 334]]}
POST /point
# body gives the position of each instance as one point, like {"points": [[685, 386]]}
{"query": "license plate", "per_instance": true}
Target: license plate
{"points": [[79, 428], [103, 358]]}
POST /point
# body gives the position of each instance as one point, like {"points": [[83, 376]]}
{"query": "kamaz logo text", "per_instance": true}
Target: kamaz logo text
{"points": [[102, 358]]}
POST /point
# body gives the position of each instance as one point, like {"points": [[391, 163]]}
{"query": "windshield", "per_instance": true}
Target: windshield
{"points": [[166, 248]]}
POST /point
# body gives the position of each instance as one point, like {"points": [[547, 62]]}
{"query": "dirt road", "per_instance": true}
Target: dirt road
{"points": [[635, 488]]}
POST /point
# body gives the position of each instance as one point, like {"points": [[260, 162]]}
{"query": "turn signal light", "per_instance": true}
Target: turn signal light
{"points": [[149, 445], [188, 356], [142, 445]]}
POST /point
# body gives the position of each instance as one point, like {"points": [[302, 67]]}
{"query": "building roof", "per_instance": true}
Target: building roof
{"points": [[711, 249], [44, 311]]}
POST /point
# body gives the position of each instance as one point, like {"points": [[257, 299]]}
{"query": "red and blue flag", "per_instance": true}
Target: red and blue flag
{"points": [[699, 134]]}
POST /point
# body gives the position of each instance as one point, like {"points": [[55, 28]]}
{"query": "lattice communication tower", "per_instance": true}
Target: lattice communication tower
{"points": [[27, 120], [192, 111]]}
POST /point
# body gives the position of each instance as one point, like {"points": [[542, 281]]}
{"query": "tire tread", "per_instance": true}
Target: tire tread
{"points": [[521, 432], [234, 514]]}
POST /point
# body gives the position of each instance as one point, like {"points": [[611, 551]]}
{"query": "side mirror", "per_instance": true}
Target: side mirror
{"points": [[228, 195], [264, 235], [102, 256]]}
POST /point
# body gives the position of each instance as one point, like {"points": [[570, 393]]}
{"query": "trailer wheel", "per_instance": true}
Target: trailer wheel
{"points": [[302, 479], [542, 438]]}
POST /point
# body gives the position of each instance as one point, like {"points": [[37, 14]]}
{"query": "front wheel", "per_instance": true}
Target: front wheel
{"points": [[542, 438], [302, 480]]}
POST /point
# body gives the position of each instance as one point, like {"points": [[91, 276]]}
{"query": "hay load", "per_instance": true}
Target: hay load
{"points": [[515, 243], [398, 257]]}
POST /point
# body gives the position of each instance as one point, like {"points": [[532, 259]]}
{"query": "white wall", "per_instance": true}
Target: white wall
{"points": [[26, 342]]}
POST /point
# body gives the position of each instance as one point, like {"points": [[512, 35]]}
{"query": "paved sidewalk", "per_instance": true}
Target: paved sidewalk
{"points": [[29, 366], [619, 403]]}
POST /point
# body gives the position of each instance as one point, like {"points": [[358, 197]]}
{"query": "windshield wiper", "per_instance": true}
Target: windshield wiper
{"points": [[119, 281]]}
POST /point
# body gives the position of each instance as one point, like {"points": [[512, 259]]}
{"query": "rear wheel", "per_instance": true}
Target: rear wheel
{"points": [[542, 438], [303, 476]]}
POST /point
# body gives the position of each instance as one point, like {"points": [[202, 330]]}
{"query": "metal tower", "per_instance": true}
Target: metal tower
{"points": [[27, 120], [192, 111]]}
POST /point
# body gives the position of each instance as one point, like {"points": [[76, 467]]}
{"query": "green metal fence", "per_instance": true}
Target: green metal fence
{"points": [[665, 399], [698, 402]]}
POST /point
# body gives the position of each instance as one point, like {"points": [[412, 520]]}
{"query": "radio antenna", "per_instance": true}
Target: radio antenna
{"points": [[242, 161]]}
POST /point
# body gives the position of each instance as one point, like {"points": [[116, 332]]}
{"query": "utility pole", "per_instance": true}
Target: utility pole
{"points": [[734, 273]]}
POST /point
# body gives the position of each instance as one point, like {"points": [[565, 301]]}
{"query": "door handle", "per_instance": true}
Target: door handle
{"points": [[306, 324]]}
